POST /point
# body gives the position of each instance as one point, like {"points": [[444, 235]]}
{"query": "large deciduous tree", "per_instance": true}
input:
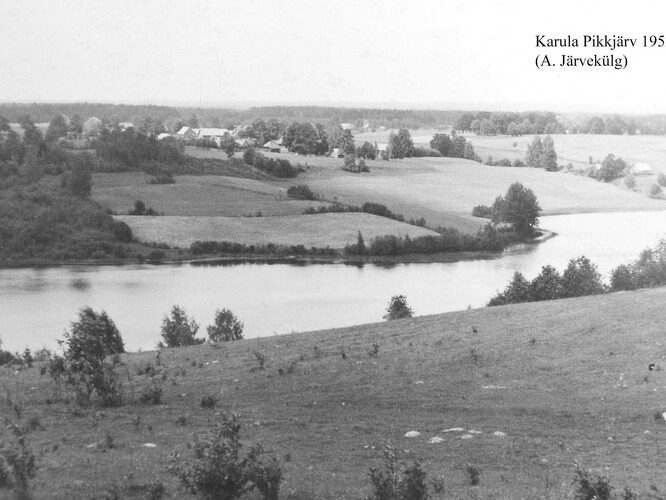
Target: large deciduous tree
{"points": [[519, 207]]}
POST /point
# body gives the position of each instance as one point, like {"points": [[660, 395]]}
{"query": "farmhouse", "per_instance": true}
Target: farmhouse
{"points": [[347, 126], [163, 136], [641, 169], [125, 125]]}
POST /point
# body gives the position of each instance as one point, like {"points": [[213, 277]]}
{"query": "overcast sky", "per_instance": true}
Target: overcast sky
{"points": [[449, 54]]}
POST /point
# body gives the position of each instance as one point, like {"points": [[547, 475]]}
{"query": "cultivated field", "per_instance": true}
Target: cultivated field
{"points": [[565, 381], [321, 230], [196, 195]]}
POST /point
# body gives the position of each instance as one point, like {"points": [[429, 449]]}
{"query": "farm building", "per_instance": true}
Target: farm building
{"points": [[125, 125], [336, 153], [163, 136], [186, 133], [347, 126], [272, 146], [641, 169], [211, 133]]}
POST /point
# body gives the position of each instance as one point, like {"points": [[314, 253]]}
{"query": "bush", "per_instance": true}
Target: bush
{"points": [[248, 156], [162, 178], [398, 308], [387, 483], [122, 232], [591, 488], [178, 330], [152, 394], [656, 191], [661, 179], [226, 327], [630, 181], [217, 469], [17, 461], [301, 192]]}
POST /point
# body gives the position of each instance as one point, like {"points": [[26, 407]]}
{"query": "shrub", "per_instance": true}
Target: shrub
{"points": [[622, 278], [398, 308], [473, 475], [391, 483], [591, 488], [217, 469], [656, 191], [661, 179], [248, 156], [178, 330], [226, 327], [17, 461], [122, 232], [152, 394], [162, 178], [301, 192], [630, 181]]}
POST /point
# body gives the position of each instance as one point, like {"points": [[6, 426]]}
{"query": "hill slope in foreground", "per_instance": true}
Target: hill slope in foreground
{"points": [[565, 381]]}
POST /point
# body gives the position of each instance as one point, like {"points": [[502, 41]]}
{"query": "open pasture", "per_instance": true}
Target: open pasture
{"points": [[563, 381], [333, 230]]}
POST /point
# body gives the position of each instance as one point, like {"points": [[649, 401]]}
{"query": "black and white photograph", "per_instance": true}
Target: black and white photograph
{"points": [[363, 249]]}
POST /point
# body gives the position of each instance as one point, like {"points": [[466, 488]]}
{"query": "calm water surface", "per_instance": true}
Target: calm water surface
{"points": [[36, 305]]}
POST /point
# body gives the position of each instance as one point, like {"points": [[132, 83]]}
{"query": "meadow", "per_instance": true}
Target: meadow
{"points": [[334, 230], [565, 382]]}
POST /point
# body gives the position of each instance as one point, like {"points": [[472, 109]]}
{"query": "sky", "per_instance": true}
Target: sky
{"points": [[473, 54]]}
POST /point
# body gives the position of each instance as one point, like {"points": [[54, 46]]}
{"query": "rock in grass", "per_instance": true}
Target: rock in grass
{"points": [[412, 434], [467, 436], [499, 434], [454, 429], [435, 440], [149, 445]]}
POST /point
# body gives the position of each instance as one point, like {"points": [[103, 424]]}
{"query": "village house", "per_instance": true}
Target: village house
{"points": [[641, 169]]}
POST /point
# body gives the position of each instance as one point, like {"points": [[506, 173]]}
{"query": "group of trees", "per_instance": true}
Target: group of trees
{"points": [[579, 278], [306, 138], [611, 168], [455, 146], [614, 125], [489, 123], [134, 148], [541, 154], [178, 330]]}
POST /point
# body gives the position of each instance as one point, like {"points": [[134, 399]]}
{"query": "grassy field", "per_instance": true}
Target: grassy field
{"points": [[566, 381], [321, 230], [196, 195]]}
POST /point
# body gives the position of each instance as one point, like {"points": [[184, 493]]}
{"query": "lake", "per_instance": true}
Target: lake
{"points": [[37, 305]]}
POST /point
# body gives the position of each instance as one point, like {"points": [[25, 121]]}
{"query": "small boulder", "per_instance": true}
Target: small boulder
{"points": [[412, 434]]}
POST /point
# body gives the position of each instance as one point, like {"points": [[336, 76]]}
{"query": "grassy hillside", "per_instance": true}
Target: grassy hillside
{"points": [[564, 380], [321, 230]]}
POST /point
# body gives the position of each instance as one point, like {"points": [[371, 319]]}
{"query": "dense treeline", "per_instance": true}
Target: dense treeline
{"points": [[448, 240], [581, 277], [497, 123], [228, 247]]}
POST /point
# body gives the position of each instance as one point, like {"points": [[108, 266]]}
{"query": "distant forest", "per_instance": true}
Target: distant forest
{"points": [[227, 118], [480, 122]]}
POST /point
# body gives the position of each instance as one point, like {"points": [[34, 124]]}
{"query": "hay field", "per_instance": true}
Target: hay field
{"points": [[453, 186], [320, 230], [206, 195], [564, 380]]}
